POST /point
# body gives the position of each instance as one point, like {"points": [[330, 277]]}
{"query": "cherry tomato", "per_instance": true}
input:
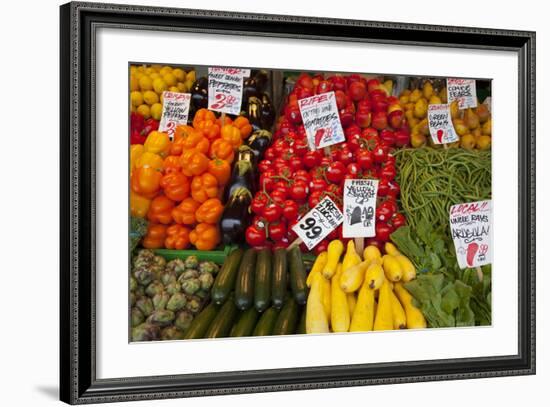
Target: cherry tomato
{"points": [[335, 172], [299, 191], [383, 231], [318, 185], [380, 153], [266, 182], [264, 165], [290, 210], [272, 212], [302, 175], [398, 220], [345, 156], [364, 159], [325, 161], [279, 163], [258, 203], [314, 198], [300, 147], [277, 230], [353, 169], [254, 236], [295, 163], [278, 196], [312, 159]]}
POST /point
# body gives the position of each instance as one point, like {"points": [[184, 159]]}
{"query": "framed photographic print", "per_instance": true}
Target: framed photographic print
{"points": [[242, 192]]}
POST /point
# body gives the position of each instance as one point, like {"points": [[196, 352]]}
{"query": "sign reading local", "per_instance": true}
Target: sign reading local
{"points": [[321, 120], [471, 225], [318, 222]]}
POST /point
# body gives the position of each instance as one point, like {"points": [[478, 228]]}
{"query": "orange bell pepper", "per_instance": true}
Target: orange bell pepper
{"points": [[161, 210], [177, 237], [210, 211], [226, 120], [148, 159], [158, 142], [136, 150], [203, 115], [155, 236], [171, 163], [205, 236], [139, 205], [188, 138], [243, 125], [193, 163], [175, 186], [203, 187], [185, 212], [223, 150], [145, 181], [205, 121], [232, 135], [220, 169]]}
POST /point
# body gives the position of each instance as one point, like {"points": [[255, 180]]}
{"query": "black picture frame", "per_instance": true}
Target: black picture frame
{"points": [[78, 382]]}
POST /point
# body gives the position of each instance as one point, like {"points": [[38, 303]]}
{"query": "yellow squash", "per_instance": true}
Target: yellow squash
{"points": [[339, 312], [318, 266], [384, 314], [352, 302], [335, 250], [415, 319], [392, 268], [398, 313], [352, 278], [326, 296], [409, 272], [363, 316], [374, 276], [391, 249], [351, 258], [316, 319], [371, 253]]}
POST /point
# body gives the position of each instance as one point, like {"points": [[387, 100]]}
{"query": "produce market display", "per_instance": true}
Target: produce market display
{"points": [[268, 202]]}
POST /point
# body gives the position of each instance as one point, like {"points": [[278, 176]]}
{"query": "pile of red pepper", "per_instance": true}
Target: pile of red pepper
{"points": [[140, 128], [294, 179]]}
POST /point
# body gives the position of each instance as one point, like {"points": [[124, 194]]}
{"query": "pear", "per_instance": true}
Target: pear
{"points": [[403, 99], [471, 119], [418, 140], [486, 128], [483, 113], [427, 90], [415, 95], [455, 111], [483, 142], [460, 127], [443, 94], [421, 108], [476, 132], [468, 141], [435, 100]]}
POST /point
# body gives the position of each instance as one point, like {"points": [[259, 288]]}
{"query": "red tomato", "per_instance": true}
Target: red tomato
{"points": [[272, 212], [300, 147], [295, 163], [264, 165], [314, 198], [364, 159], [345, 156], [353, 169], [312, 159], [299, 191], [278, 196], [335, 172], [380, 153], [290, 210], [277, 230], [254, 236], [258, 203], [302, 175], [269, 154], [318, 185]]}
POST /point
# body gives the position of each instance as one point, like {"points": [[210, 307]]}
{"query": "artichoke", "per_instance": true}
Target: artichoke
{"points": [[194, 304], [144, 258], [176, 266], [192, 262], [177, 301], [160, 300], [168, 277], [183, 320], [154, 288], [145, 332], [188, 274], [208, 267], [159, 261], [136, 317], [206, 280], [170, 333], [133, 284], [173, 288], [145, 305], [161, 317], [132, 299], [143, 275], [191, 286], [140, 291]]}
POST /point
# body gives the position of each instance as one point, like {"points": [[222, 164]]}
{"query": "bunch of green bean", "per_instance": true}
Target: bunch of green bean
{"points": [[432, 180]]}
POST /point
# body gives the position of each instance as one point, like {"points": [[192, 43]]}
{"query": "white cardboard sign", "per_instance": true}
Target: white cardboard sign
{"points": [[360, 207], [175, 109], [440, 124], [462, 90], [471, 225], [318, 222], [321, 120], [225, 89]]}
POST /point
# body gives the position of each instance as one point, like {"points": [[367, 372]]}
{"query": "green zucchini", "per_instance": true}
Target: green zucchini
{"points": [[297, 275], [200, 324], [280, 271], [301, 329], [222, 323], [246, 323], [265, 325], [225, 280], [288, 318], [262, 283], [244, 286]]}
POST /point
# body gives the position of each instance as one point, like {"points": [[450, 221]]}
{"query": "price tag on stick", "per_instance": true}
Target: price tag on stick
{"points": [[441, 125], [321, 120], [225, 89], [463, 91], [360, 207], [318, 223], [471, 225], [175, 109]]}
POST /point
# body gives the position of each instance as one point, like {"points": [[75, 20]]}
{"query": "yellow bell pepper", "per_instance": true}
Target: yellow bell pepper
{"points": [[151, 160], [136, 151], [139, 205], [158, 142]]}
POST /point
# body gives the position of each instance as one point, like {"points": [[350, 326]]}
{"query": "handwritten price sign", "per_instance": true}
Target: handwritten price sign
{"points": [[321, 120], [359, 207], [225, 89], [471, 225], [463, 91], [175, 109], [441, 125], [318, 223]]}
